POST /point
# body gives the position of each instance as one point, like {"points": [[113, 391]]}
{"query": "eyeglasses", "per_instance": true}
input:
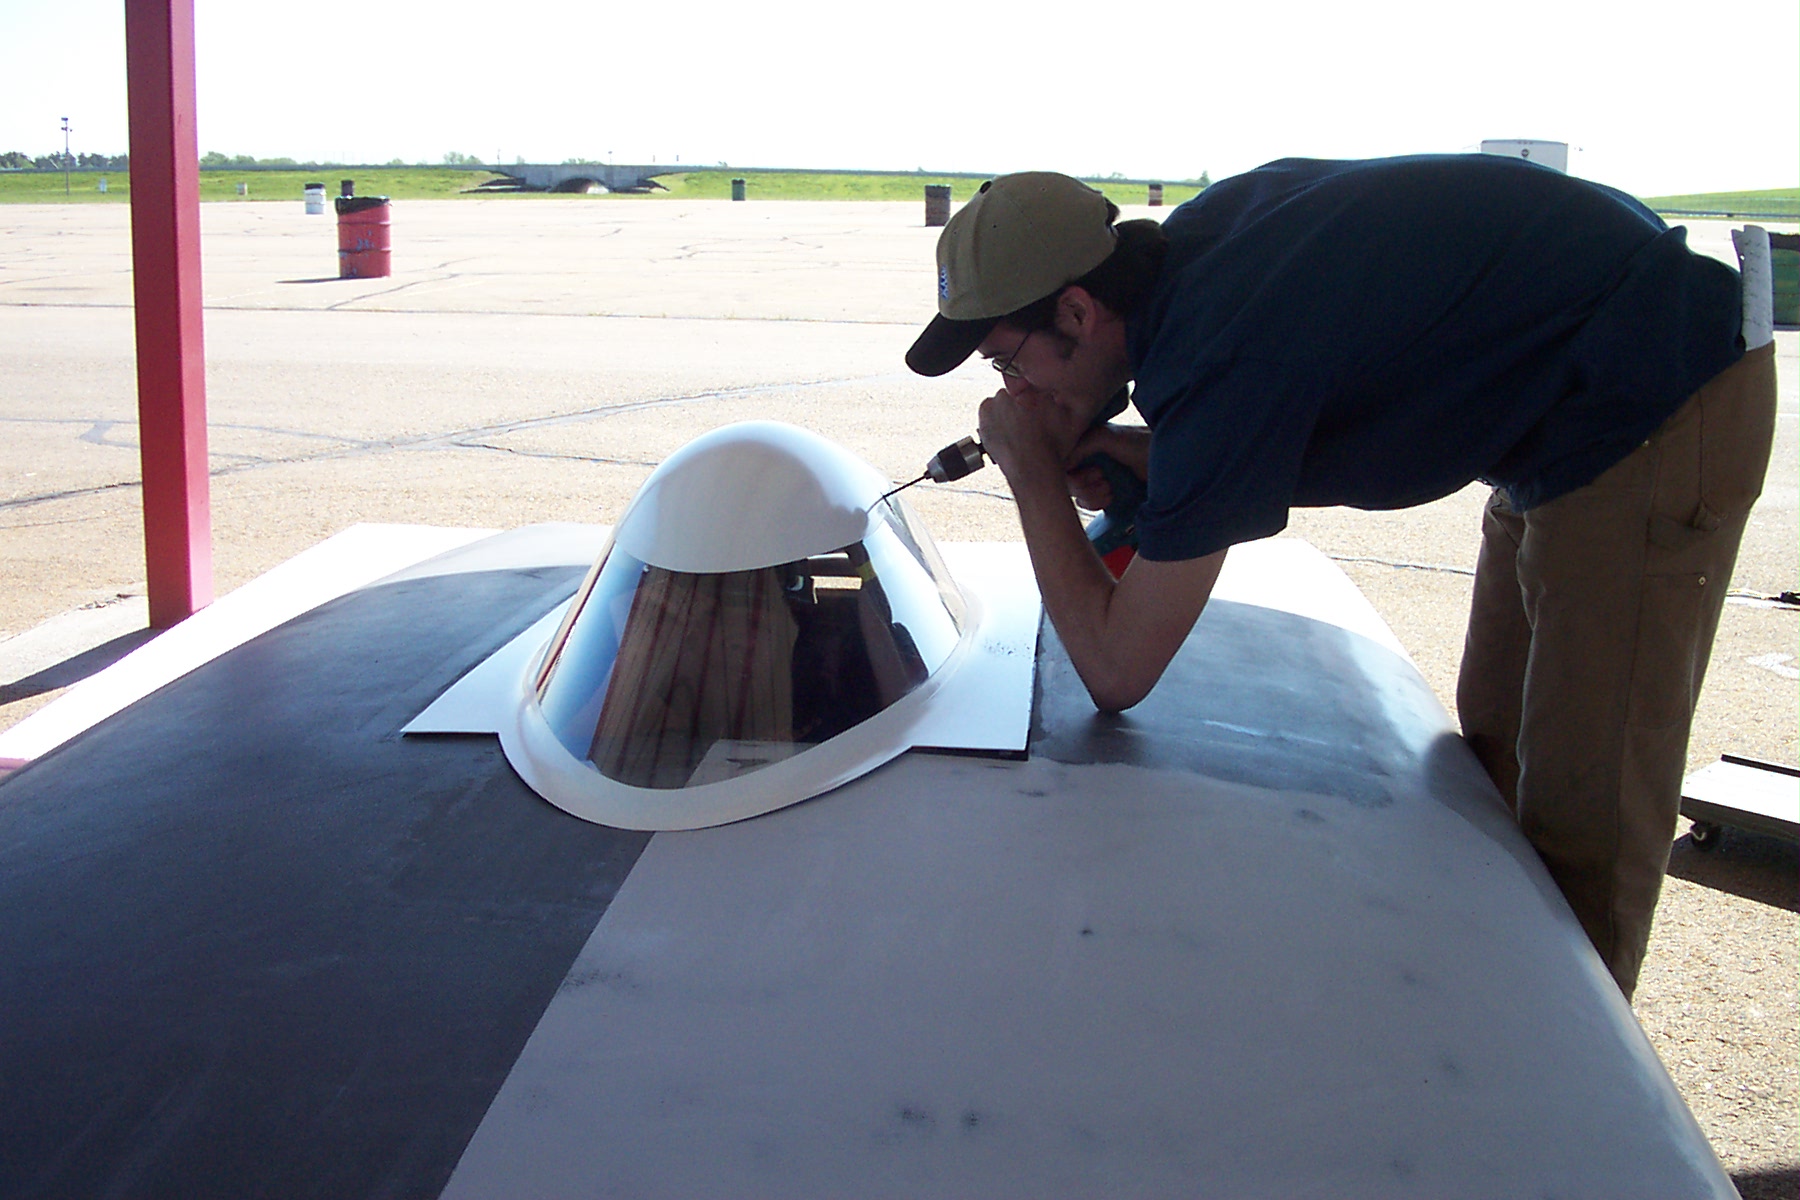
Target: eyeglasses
{"points": [[1005, 365]]}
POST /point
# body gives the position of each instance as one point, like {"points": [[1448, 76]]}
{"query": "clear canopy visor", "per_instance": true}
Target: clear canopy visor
{"points": [[668, 679]]}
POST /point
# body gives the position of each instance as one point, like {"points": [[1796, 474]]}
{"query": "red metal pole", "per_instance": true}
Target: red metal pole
{"points": [[165, 259]]}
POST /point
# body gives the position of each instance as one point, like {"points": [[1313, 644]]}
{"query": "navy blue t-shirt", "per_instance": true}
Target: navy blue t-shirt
{"points": [[1380, 333]]}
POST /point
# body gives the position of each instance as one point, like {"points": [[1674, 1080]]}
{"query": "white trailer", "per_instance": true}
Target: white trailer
{"points": [[1549, 154]]}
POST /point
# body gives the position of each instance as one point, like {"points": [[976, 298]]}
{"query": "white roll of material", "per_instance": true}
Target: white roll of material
{"points": [[1752, 242]]}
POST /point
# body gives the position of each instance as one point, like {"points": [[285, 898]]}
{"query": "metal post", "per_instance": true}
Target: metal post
{"points": [[65, 122], [165, 257]]}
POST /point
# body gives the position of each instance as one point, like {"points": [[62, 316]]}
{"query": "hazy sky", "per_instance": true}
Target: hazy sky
{"points": [[1651, 103]]}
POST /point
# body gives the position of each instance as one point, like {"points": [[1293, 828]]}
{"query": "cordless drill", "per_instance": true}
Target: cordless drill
{"points": [[1113, 533]]}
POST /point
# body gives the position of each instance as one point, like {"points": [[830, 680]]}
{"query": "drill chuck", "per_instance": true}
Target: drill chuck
{"points": [[964, 457]]}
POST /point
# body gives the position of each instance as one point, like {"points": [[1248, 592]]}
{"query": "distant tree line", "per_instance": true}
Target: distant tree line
{"points": [[212, 160], [13, 160], [1201, 181]]}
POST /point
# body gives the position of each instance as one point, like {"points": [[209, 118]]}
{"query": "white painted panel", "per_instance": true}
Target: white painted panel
{"points": [[1290, 575], [986, 704], [962, 977]]}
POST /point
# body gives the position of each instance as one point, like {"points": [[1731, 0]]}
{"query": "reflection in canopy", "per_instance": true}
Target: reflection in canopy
{"points": [[705, 659], [672, 679]]}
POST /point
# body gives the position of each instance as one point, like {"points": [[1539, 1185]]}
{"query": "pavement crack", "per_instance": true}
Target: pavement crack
{"points": [[1401, 564], [340, 307], [466, 438], [554, 454], [59, 521], [345, 304], [65, 494], [1006, 497]]}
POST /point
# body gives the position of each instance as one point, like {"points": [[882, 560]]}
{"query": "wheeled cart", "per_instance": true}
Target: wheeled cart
{"points": [[1743, 793]]}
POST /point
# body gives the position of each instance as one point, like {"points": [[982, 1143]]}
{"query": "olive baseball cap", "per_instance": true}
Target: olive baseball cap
{"points": [[1020, 239]]}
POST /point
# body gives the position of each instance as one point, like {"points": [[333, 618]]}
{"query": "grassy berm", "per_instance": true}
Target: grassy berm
{"points": [[435, 183]]}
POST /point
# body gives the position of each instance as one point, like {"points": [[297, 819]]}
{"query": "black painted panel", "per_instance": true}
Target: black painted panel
{"points": [[1255, 696], [253, 943]]}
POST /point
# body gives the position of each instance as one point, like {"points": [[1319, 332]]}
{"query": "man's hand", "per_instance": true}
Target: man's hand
{"points": [[1027, 434], [1128, 445]]}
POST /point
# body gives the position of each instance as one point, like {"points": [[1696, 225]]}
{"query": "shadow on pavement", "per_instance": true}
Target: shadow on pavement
{"points": [[74, 670], [1772, 1183], [1752, 865]]}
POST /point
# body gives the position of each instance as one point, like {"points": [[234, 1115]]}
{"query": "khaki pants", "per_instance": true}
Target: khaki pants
{"points": [[1592, 621]]}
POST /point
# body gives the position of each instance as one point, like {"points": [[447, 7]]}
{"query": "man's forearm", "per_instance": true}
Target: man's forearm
{"points": [[1076, 586], [1119, 635]]}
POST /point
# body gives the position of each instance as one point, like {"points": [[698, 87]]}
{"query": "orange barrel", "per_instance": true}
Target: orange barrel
{"points": [[737, 189], [1156, 195], [362, 237], [937, 204]]}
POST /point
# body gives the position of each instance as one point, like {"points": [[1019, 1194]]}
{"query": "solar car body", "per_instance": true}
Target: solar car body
{"points": [[1269, 933]]}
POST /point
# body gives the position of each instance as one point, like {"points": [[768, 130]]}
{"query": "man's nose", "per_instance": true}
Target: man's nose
{"points": [[1015, 385]]}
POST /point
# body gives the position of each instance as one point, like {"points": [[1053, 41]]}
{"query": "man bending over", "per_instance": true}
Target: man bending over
{"points": [[1379, 334]]}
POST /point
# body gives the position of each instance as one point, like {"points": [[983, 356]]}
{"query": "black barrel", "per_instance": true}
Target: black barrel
{"points": [[937, 204]]}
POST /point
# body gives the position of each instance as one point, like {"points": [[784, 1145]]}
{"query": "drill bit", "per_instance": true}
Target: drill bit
{"points": [[901, 488], [961, 457]]}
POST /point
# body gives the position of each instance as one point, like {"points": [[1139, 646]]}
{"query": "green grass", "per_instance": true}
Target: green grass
{"points": [[401, 183], [1782, 201], [833, 185], [32, 187], [800, 185], [433, 183]]}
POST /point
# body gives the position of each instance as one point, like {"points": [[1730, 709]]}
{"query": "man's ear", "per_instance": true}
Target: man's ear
{"points": [[1078, 314]]}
